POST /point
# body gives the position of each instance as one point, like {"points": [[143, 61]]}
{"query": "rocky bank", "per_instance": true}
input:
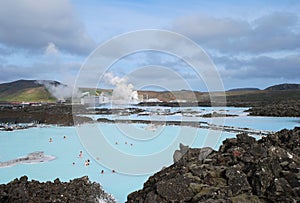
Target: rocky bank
{"points": [[77, 190], [45, 114], [277, 109], [242, 170]]}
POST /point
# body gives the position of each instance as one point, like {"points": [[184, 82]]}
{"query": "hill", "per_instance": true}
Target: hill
{"points": [[27, 91], [285, 86], [50, 91]]}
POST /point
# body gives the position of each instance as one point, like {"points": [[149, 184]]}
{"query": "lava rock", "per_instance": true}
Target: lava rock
{"points": [[77, 190], [286, 108], [204, 152], [242, 170], [179, 153]]}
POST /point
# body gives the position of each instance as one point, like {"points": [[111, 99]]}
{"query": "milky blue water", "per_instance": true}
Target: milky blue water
{"points": [[20, 143]]}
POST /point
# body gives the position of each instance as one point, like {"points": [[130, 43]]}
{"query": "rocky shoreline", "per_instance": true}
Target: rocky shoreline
{"points": [[68, 115], [46, 114], [77, 190], [281, 109], [242, 170]]}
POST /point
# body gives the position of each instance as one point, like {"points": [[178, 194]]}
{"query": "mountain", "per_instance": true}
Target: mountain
{"points": [[27, 91], [243, 89], [284, 86], [50, 91]]}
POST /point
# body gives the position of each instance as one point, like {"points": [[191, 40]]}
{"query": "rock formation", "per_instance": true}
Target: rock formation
{"points": [[77, 190], [34, 157], [45, 114], [242, 170], [289, 108]]}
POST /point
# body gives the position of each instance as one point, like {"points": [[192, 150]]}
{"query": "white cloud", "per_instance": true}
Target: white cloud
{"points": [[263, 67], [51, 49], [30, 25], [207, 27], [269, 33]]}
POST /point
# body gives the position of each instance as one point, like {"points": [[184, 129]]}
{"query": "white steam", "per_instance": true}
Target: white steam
{"points": [[123, 92], [58, 90]]}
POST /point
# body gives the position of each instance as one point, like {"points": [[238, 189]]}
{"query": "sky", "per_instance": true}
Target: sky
{"points": [[251, 43]]}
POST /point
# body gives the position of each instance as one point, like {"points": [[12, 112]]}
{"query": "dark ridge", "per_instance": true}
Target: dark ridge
{"points": [[19, 84], [24, 84], [243, 89], [285, 86]]}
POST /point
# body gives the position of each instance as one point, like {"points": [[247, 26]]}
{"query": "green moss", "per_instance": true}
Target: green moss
{"points": [[37, 94]]}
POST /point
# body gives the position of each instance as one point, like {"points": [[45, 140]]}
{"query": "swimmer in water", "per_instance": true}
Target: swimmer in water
{"points": [[50, 140], [102, 171], [87, 162], [80, 154]]}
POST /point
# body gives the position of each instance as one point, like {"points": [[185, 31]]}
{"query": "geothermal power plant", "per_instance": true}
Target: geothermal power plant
{"points": [[110, 98]]}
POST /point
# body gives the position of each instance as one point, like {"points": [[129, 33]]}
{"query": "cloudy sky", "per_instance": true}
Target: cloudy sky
{"points": [[252, 44]]}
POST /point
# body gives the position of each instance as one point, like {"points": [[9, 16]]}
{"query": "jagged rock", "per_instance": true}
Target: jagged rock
{"points": [[204, 152], [179, 153], [77, 190], [243, 170], [237, 181], [172, 189]]}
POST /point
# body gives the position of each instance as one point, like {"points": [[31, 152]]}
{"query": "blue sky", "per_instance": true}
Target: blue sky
{"points": [[252, 43]]}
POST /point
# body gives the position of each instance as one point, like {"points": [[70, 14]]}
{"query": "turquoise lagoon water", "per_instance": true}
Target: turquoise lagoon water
{"points": [[20, 143]]}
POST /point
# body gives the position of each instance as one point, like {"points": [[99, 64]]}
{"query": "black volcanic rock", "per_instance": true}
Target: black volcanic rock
{"points": [[77, 190], [288, 108], [59, 114], [242, 170]]}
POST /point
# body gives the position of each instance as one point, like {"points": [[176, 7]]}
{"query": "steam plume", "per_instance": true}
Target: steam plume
{"points": [[123, 91], [58, 90]]}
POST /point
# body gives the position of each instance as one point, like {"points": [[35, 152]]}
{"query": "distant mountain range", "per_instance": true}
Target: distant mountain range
{"points": [[243, 89], [284, 86], [42, 91]]}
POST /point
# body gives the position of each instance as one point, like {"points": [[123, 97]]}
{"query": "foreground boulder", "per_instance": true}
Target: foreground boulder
{"points": [[77, 190], [242, 170]]}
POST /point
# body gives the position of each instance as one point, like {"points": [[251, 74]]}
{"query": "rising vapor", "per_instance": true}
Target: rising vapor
{"points": [[124, 91]]}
